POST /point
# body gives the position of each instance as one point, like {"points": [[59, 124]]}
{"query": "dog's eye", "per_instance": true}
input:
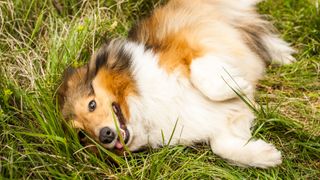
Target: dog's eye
{"points": [[92, 105]]}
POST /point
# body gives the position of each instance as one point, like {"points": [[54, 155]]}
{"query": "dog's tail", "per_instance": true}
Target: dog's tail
{"points": [[259, 33], [240, 4], [280, 51]]}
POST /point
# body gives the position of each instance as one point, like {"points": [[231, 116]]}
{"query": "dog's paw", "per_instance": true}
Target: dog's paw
{"points": [[287, 59], [217, 80], [264, 155], [223, 87], [242, 86]]}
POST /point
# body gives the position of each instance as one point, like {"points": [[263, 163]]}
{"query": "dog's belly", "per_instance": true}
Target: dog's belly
{"points": [[174, 112], [168, 108]]}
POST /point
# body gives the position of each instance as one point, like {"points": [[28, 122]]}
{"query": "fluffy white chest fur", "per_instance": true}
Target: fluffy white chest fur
{"points": [[169, 106], [169, 99]]}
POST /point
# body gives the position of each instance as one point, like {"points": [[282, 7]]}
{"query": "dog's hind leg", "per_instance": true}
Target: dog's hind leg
{"points": [[234, 144], [218, 80], [242, 152]]}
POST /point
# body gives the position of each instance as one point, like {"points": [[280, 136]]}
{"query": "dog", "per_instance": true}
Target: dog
{"points": [[179, 78]]}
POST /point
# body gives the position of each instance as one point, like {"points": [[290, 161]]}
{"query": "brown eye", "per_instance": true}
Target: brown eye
{"points": [[92, 105]]}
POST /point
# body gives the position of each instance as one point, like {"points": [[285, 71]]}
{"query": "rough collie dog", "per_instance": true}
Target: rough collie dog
{"points": [[178, 77]]}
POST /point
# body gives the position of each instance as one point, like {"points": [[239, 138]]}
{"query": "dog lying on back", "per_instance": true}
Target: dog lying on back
{"points": [[179, 74]]}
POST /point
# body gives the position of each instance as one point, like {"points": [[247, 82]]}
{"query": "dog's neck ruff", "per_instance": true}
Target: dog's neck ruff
{"points": [[164, 101]]}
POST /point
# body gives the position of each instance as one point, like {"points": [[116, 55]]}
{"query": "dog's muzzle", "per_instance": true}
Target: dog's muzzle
{"points": [[107, 135]]}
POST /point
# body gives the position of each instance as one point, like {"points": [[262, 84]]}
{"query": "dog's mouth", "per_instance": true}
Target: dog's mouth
{"points": [[124, 132]]}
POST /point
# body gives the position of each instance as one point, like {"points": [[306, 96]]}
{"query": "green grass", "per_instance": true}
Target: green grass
{"points": [[37, 41]]}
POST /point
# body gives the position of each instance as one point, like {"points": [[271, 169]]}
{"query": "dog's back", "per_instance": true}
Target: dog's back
{"points": [[185, 29]]}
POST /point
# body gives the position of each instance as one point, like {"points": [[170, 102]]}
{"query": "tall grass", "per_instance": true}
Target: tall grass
{"points": [[39, 38]]}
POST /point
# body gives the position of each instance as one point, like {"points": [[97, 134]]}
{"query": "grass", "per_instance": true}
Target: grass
{"points": [[39, 39]]}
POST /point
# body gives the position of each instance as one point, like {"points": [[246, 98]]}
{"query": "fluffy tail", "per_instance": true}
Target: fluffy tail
{"points": [[259, 33], [240, 4], [279, 51]]}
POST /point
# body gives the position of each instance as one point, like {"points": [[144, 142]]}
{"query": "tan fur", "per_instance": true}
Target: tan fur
{"points": [[109, 87], [176, 48], [72, 88], [119, 85], [104, 84], [178, 53], [183, 30]]}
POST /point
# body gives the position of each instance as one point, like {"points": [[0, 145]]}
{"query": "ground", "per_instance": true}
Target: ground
{"points": [[38, 39]]}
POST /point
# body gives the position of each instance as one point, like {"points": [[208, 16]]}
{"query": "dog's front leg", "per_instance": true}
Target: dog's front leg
{"points": [[217, 80]]}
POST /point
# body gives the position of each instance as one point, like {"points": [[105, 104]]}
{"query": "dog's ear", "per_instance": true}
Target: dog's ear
{"points": [[98, 60], [72, 78], [63, 88]]}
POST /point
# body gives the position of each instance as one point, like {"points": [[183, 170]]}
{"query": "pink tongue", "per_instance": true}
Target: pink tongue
{"points": [[118, 145]]}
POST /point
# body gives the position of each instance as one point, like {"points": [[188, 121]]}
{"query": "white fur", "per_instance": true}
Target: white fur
{"points": [[218, 80], [279, 50], [168, 99]]}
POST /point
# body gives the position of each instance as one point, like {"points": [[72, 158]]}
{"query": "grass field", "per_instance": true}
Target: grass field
{"points": [[38, 39]]}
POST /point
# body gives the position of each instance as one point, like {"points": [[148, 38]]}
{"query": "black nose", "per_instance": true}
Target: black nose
{"points": [[106, 135]]}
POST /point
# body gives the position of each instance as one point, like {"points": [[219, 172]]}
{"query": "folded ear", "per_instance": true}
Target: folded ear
{"points": [[63, 88], [98, 60], [69, 71], [72, 77]]}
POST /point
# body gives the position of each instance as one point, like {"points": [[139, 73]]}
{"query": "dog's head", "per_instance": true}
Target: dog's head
{"points": [[93, 97]]}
